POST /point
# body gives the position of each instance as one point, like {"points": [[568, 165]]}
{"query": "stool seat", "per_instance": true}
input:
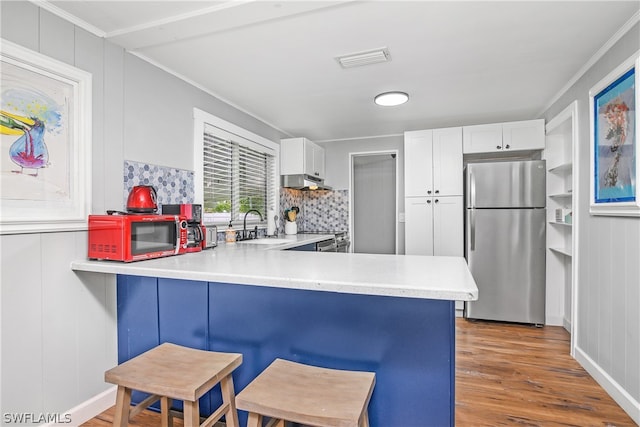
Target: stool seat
{"points": [[170, 371], [310, 395]]}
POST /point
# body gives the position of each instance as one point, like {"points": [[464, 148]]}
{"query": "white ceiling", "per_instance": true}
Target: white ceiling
{"points": [[461, 62]]}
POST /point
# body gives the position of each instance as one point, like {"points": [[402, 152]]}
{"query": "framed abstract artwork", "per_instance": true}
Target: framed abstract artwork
{"points": [[45, 143], [613, 117]]}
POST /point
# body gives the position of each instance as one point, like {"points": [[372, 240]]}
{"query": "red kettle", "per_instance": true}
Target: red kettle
{"points": [[142, 199]]}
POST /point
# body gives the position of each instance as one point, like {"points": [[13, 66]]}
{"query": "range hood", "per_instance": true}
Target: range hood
{"points": [[304, 182]]}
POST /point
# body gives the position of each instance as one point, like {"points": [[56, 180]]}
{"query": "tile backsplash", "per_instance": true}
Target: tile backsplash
{"points": [[172, 185], [321, 210]]}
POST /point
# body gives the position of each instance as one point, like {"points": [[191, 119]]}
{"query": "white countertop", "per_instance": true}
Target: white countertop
{"points": [[429, 277]]}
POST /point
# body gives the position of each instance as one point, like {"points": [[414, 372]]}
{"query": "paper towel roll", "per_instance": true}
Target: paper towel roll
{"points": [[271, 223]]}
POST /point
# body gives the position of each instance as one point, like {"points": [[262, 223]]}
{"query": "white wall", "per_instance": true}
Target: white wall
{"points": [[158, 116], [337, 166], [58, 328], [608, 313]]}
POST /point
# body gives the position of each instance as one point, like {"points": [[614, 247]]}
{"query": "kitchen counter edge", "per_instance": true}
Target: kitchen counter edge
{"points": [[410, 276]]}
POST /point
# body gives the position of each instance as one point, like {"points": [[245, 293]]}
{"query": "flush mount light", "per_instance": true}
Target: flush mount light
{"points": [[391, 99]]}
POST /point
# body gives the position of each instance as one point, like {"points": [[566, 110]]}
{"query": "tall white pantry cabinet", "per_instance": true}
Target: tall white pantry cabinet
{"points": [[433, 192]]}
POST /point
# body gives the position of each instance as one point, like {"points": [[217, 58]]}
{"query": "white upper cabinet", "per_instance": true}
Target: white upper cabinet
{"points": [[418, 163], [482, 138], [433, 162], [447, 162], [301, 156], [504, 137], [525, 135]]}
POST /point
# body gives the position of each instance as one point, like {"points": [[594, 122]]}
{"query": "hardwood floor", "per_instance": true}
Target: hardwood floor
{"points": [[521, 375], [507, 375]]}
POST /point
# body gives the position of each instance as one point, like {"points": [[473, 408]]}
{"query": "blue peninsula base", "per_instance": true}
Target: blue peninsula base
{"points": [[408, 342]]}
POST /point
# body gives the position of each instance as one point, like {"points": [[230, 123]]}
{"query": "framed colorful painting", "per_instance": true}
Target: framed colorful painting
{"points": [[614, 116], [45, 143]]}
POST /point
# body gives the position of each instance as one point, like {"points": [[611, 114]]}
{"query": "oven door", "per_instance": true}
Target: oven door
{"points": [[343, 246], [326, 246]]}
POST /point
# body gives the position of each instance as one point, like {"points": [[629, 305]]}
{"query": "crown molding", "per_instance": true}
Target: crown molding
{"points": [[635, 18], [44, 4]]}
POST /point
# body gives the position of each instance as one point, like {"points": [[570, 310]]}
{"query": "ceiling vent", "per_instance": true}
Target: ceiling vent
{"points": [[364, 58]]}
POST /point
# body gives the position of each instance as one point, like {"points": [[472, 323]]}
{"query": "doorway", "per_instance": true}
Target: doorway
{"points": [[374, 204]]}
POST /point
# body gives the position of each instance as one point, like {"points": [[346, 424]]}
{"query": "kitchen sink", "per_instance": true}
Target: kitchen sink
{"points": [[266, 241]]}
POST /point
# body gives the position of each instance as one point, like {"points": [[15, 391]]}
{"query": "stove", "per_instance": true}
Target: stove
{"points": [[342, 241]]}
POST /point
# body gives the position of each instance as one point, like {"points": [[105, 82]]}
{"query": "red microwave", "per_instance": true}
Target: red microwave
{"points": [[136, 237]]}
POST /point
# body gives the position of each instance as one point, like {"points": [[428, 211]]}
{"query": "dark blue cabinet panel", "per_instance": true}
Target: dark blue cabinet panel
{"points": [[409, 343], [137, 299], [138, 331], [183, 312], [183, 319]]}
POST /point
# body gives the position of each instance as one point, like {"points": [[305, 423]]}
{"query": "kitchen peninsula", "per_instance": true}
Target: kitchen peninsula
{"points": [[389, 314]]}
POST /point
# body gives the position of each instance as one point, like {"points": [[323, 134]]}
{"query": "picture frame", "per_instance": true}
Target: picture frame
{"points": [[613, 116], [45, 143]]}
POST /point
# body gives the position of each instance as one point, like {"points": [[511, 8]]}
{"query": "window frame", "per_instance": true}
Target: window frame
{"points": [[228, 130]]}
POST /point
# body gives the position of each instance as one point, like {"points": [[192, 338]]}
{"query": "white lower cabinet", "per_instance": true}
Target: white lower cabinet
{"points": [[434, 226]]}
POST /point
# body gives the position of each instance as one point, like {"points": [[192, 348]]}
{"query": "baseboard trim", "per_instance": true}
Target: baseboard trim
{"points": [[89, 408], [566, 323], [553, 320], [615, 390]]}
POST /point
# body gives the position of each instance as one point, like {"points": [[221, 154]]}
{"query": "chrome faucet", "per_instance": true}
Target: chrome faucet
{"points": [[244, 225]]}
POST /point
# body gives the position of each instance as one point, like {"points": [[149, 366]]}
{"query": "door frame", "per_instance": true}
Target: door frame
{"points": [[352, 156]]}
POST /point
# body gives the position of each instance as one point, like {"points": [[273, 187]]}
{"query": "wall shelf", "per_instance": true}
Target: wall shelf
{"points": [[561, 195], [562, 251], [566, 224], [562, 170], [564, 167]]}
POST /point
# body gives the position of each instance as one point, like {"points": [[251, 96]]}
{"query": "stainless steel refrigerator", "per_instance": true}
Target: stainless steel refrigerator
{"points": [[505, 220]]}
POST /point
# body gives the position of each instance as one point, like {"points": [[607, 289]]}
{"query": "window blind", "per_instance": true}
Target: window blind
{"points": [[238, 177]]}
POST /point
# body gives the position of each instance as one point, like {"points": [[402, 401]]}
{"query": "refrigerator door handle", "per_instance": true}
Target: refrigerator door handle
{"points": [[472, 190], [472, 229]]}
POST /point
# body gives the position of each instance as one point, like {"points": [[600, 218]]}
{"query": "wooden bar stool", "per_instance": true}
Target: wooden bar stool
{"points": [[289, 391], [170, 371]]}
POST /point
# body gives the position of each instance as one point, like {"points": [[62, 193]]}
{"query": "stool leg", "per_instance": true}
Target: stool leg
{"points": [[123, 405], [191, 414], [165, 412], [229, 397], [255, 420], [364, 421]]}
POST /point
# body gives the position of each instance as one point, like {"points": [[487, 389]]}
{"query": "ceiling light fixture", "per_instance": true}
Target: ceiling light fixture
{"points": [[391, 99]]}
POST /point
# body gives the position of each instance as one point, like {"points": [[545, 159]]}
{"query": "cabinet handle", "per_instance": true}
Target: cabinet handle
{"points": [[429, 201], [499, 147], [437, 191], [437, 200], [507, 146], [428, 191]]}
